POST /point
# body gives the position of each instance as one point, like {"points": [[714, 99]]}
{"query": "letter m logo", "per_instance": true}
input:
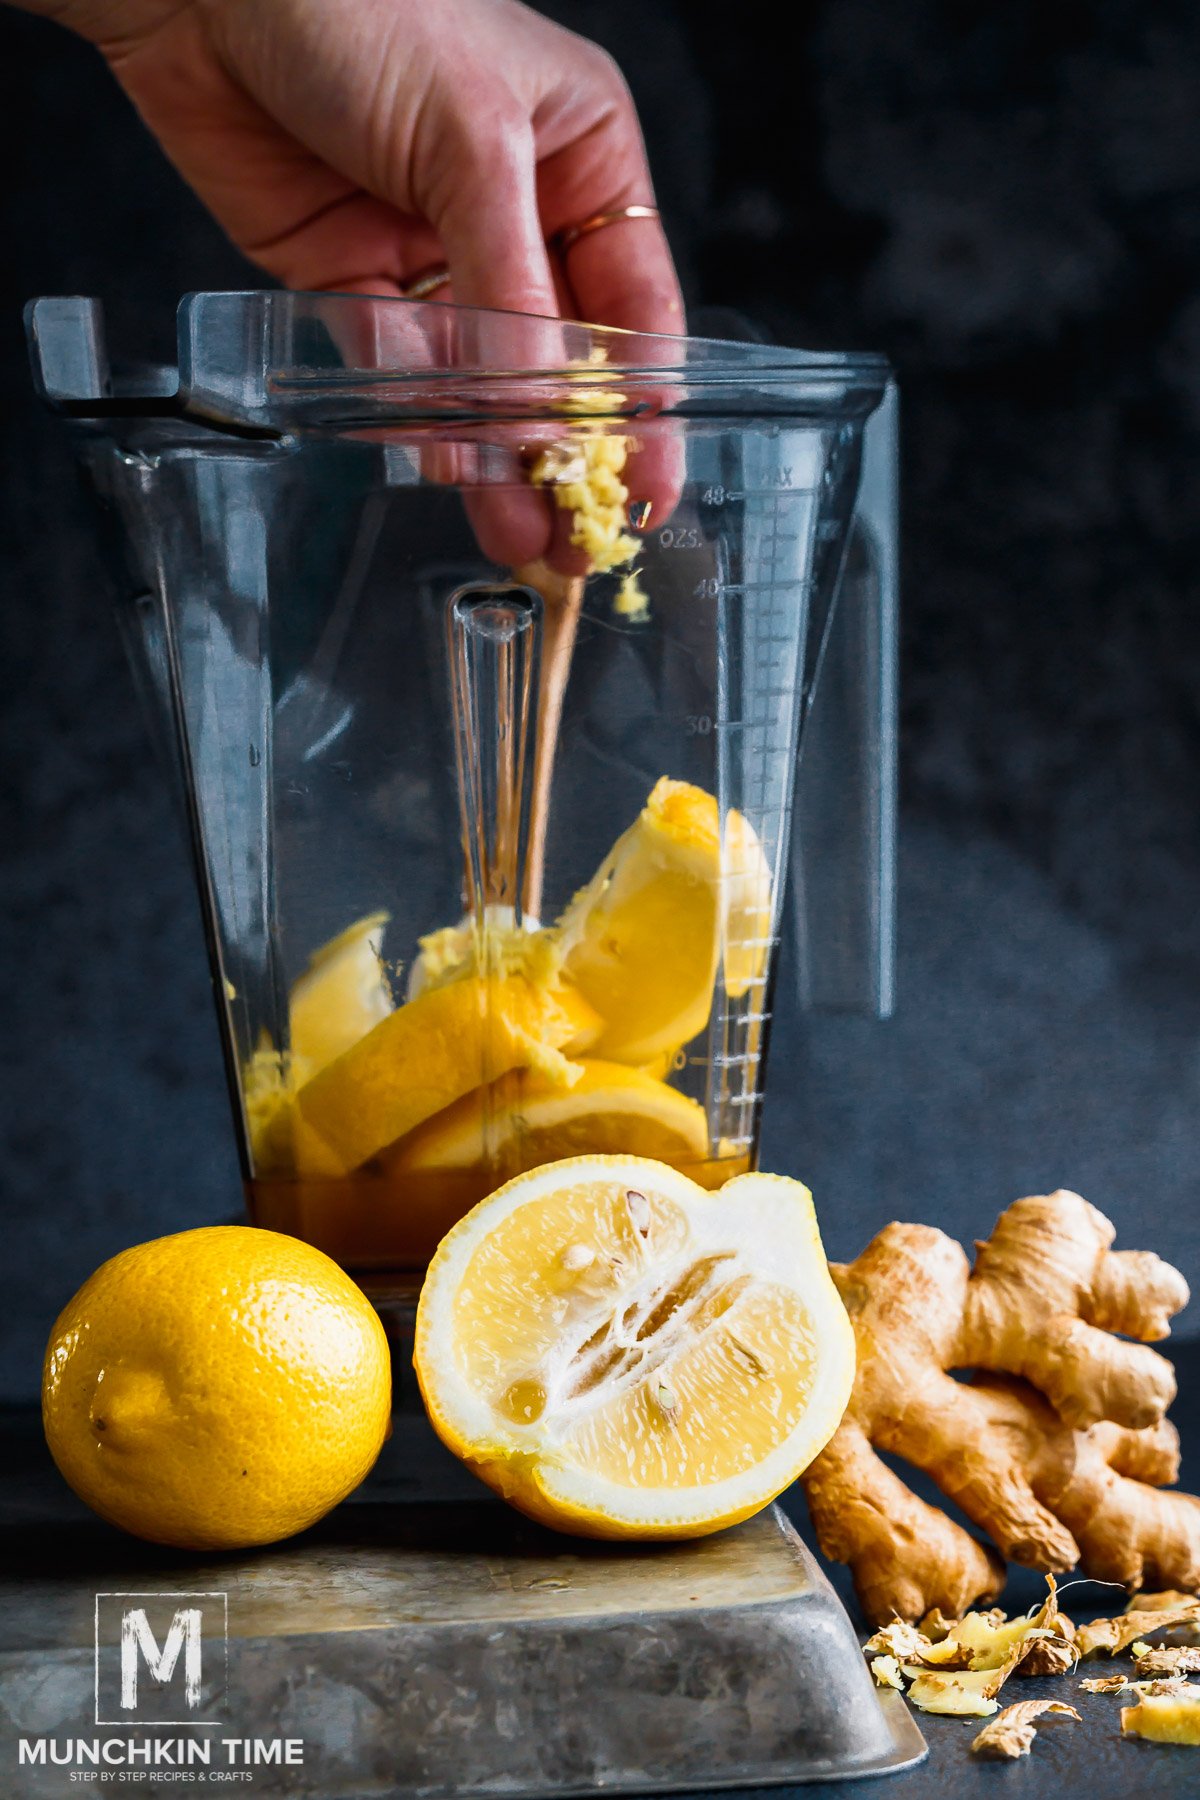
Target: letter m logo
{"points": [[160, 1658], [138, 1641]]}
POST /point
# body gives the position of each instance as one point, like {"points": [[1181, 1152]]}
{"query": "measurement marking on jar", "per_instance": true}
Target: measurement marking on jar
{"points": [[762, 587], [776, 693], [762, 493]]}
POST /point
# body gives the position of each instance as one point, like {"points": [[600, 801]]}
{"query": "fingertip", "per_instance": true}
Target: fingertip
{"points": [[624, 276]]}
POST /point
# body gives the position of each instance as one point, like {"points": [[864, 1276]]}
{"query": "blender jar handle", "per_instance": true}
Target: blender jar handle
{"points": [[843, 869]]}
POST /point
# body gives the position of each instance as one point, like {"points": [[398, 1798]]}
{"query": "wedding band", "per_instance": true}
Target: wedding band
{"points": [[563, 240], [426, 283], [430, 280]]}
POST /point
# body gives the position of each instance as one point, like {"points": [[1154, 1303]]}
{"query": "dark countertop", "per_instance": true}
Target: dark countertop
{"points": [[43, 1526]]}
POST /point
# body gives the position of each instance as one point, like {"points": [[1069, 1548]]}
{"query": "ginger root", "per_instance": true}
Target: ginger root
{"points": [[1054, 1447]]}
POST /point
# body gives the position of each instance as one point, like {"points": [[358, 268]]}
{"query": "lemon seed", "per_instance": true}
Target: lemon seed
{"points": [[668, 1403], [639, 1211]]}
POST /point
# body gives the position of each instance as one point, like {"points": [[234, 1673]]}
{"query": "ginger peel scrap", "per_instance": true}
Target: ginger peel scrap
{"points": [[1106, 1684], [1011, 1733], [1170, 1600], [1111, 1636], [1056, 1446], [1180, 1659], [965, 1670]]}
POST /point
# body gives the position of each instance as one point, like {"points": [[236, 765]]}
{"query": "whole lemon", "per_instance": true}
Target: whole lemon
{"points": [[217, 1388]]}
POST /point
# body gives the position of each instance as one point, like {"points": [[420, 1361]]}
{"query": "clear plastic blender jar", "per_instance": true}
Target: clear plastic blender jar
{"points": [[484, 649]]}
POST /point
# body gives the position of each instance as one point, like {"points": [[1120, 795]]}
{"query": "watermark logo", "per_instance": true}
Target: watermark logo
{"points": [[161, 1659]]}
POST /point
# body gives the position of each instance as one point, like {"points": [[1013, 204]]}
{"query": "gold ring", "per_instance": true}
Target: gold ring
{"points": [[426, 283], [563, 240]]}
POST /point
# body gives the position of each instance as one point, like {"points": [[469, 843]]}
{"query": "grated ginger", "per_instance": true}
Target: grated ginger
{"points": [[584, 471]]}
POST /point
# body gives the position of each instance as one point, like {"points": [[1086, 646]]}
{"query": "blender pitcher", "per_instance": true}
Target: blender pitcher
{"points": [[484, 649]]}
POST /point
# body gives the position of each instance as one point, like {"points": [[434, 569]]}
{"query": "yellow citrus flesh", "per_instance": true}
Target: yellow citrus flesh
{"points": [[525, 1120], [622, 1353], [641, 942], [499, 947], [341, 996], [217, 1388], [424, 1057], [746, 894]]}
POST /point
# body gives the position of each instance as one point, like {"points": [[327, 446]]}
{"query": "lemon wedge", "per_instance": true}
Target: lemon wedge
{"points": [[621, 1353], [746, 895], [642, 940], [425, 1056], [526, 1119], [341, 995]]}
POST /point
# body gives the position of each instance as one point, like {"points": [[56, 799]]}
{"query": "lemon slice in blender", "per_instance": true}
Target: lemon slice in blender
{"points": [[622, 1353], [342, 994], [745, 907], [526, 1119], [425, 1056], [641, 941]]}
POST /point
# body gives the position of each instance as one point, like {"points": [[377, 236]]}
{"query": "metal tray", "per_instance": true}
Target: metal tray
{"points": [[430, 1648]]}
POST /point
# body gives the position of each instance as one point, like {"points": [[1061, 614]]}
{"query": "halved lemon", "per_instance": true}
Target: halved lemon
{"points": [[641, 941], [526, 1119], [622, 1353]]}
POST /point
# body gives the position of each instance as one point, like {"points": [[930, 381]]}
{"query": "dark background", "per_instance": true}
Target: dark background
{"points": [[1006, 199]]}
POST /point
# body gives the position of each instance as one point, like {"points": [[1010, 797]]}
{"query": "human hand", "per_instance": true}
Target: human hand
{"points": [[348, 145]]}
